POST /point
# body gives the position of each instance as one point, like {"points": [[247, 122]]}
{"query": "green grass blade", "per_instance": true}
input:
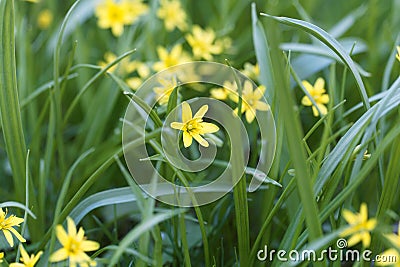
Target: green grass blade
{"points": [[333, 44]]}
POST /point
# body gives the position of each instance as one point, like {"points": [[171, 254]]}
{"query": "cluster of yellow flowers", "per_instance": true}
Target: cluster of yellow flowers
{"points": [[115, 15], [74, 243], [359, 230]]}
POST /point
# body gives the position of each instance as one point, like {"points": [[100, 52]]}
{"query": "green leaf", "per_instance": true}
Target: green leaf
{"points": [[333, 44]]}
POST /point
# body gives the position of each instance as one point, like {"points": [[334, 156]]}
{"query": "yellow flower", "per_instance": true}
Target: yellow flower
{"points": [[134, 9], [1, 257], [317, 93], [360, 226], [26, 260], [116, 15], [124, 66], [163, 92], [398, 53], [251, 100], [391, 253], [251, 71], [223, 93], [172, 14], [7, 224], [45, 18], [204, 43], [175, 57], [74, 246], [142, 70], [194, 127]]}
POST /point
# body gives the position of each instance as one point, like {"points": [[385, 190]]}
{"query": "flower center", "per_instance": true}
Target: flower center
{"points": [[73, 246]]}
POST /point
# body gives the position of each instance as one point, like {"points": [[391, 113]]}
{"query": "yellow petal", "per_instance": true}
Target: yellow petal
{"points": [[305, 101], [162, 52], [177, 125], [250, 115], [259, 92], [16, 264], [9, 237], [322, 108], [319, 85], [350, 217], [324, 99], [17, 235], [366, 239], [24, 255], [261, 106], [71, 227], [308, 86], [117, 29], [201, 112], [62, 236], [200, 140], [209, 128], [315, 111], [186, 112], [370, 225], [36, 258], [364, 212], [59, 255], [88, 245], [354, 239], [187, 139]]}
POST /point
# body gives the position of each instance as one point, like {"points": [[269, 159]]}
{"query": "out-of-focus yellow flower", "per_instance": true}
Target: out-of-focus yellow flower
{"points": [[164, 91], [123, 67], [251, 100], [26, 260], [74, 246], [317, 92], [204, 43], [398, 53], [223, 93], [194, 127], [359, 226], [45, 18], [175, 57], [1, 257], [7, 224], [116, 15], [391, 253], [143, 72], [173, 15], [134, 9], [251, 71]]}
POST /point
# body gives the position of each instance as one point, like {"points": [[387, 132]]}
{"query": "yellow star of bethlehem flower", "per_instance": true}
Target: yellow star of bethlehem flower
{"points": [[398, 53], [175, 57], [7, 224], [74, 246], [359, 226], [392, 253], [251, 100], [251, 71], [223, 93], [194, 127], [116, 15], [317, 92], [26, 260], [204, 43], [165, 90], [173, 15]]}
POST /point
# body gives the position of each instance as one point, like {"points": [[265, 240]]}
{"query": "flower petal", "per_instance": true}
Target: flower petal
{"points": [[201, 112], [250, 115], [354, 239], [17, 235], [71, 227], [305, 101], [88, 245], [200, 140], [319, 85], [61, 235], [24, 255], [9, 237], [209, 128], [59, 255], [349, 216], [187, 139], [177, 125], [261, 106], [186, 112]]}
